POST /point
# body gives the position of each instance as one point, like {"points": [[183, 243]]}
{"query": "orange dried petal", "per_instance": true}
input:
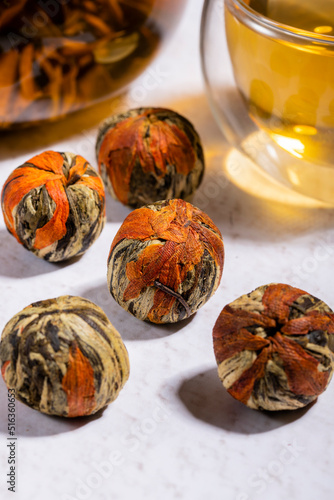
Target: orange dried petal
{"points": [[301, 368], [305, 324], [242, 388], [78, 384], [55, 229], [277, 300], [230, 334]]}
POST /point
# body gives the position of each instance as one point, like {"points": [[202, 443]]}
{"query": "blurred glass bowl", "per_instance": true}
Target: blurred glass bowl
{"points": [[60, 56]]}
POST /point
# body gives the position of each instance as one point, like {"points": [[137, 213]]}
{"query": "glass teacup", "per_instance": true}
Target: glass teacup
{"points": [[283, 115]]}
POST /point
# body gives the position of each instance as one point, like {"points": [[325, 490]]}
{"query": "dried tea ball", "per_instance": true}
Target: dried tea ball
{"points": [[165, 262], [149, 154], [63, 357], [274, 347], [54, 205]]}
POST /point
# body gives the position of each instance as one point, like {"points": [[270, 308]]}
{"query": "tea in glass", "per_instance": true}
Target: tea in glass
{"points": [[282, 53]]}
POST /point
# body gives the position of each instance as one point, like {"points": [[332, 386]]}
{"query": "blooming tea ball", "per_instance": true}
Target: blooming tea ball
{"points": [[149, 154], [274, 347], [54, 205], [165, 262], [63, 357]]}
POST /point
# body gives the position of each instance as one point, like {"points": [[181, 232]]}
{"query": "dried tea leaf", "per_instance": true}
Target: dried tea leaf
{"points": [[116, 10], [94, 83], [9, 12], [98, 23], [55, 86], [66, 47], [29, 89], [73, 24], [90, 6], [117, 49], [144, 6], [8, 78], [70, 89]]}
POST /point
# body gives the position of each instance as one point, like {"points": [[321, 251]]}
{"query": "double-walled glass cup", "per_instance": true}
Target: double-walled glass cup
{"points": [[271, 87]]}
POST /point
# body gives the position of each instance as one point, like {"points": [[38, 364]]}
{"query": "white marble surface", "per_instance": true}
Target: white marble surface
{"points": [[173, 433]]}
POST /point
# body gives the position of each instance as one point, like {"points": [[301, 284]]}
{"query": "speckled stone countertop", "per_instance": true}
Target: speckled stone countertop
{"points": [[174, 432]]}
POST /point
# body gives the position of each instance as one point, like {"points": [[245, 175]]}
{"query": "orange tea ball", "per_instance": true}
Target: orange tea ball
{"points": [[165, 262], [274, 347], [149, 154], [54, 205]]}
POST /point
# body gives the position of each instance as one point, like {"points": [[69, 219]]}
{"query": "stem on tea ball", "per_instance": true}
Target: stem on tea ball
{"points": [[171, 292]]}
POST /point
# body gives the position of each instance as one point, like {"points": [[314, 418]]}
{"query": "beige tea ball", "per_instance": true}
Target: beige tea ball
{"points": [[63, 357]]}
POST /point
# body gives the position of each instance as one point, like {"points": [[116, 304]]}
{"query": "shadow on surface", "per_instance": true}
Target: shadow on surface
{"points": [[207, 400], [115, 210], [18, 262], [32, 423], [130, 327]]}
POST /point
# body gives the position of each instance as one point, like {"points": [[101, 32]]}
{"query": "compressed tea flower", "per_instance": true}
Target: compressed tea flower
{"points": [[54, 205], [149, 154], [63, 357], [165, 262], [274, 347]]}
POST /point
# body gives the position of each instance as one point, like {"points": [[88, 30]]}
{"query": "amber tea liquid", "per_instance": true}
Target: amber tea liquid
{"points": [[288, 84]]}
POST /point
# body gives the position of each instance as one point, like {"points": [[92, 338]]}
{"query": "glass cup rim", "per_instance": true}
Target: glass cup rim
{"points": [[254, 18]]}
